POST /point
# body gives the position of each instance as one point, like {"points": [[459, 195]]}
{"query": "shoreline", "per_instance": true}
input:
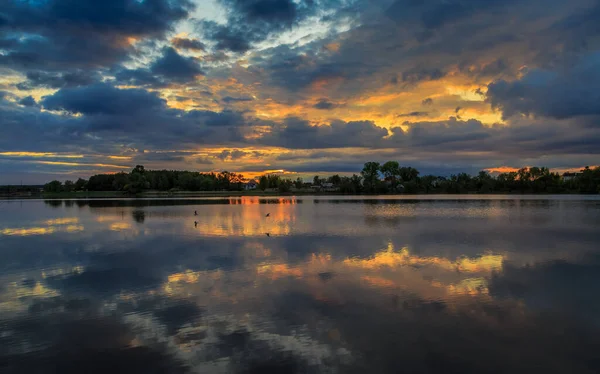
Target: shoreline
{"points": [[199, 194]]}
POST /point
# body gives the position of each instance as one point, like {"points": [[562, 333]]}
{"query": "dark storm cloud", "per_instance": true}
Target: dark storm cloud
{"points": [[175, 67], [61, 34], [102, 98], [428, 101], [444, 134], [110, 119], [139, 77], [217, 119], [229, 99], [418, 75], [436, 14], [171, 67], [528, 139], [191, 44], [429, 40], [252, 21], [298, 133], [74, 78], [23, 127], [297, 69], [232, 155], [325, 104], [557, 94], [27, 101]]}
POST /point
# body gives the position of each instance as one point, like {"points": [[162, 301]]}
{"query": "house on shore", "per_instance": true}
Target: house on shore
{"points": [[251, 185]]}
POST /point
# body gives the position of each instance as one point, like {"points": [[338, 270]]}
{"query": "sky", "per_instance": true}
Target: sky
{"points": [[300, 86]]}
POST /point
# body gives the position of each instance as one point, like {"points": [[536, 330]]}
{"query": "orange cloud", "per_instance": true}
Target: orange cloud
{"points": [[502, 169]]}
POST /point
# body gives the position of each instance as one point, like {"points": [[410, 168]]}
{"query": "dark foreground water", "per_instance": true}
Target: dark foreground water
{"points": [[323, 285]]}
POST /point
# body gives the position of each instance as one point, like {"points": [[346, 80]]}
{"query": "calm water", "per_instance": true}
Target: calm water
{"points": [[323, 285]]}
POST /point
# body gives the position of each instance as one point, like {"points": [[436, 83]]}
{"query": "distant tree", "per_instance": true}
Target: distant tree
{"points": [[285, 185], [533, 179], [54, 186], [186, 182], [408, 173], [273, 180], [80, 185], [484, 182], [357, 183], [101, 182], [121, 181], [316, 181], [136, 183], [391, 172], [427, 183], [370, 174], [298, 183], [335, 180], [69, 186], [263, 182], [163, 183], [138, 169]]}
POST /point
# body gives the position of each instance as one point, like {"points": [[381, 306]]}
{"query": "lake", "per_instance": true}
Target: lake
{"points": [[413, 284]]}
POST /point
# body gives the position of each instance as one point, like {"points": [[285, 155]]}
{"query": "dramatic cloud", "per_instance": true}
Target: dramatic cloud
{"points": [[27, 101], [557, 94], [252, 21], [192, 44], [229, 99], [102, 99], [325, 104], [176, 67], [297, 133], [37, 79], [61, 34], [442, 85], [171, 67]]}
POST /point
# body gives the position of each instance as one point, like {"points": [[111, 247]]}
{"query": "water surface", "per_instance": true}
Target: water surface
{"points": [[427, 284]]}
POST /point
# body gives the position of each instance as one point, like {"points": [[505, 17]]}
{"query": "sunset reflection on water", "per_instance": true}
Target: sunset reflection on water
{"points": [[338, 285]]}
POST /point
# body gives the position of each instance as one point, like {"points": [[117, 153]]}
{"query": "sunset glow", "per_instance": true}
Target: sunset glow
{"points": [[391, 80]]}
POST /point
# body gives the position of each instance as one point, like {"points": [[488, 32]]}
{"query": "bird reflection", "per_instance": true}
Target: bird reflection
{"points": [[195, 223]]}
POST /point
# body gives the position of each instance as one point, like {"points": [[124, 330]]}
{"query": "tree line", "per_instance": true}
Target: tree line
{"points": [[375, 178], [140, 179]]}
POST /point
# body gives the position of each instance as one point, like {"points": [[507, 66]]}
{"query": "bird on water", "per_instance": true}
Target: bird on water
{"points": [[268, 215], [195, 212]]}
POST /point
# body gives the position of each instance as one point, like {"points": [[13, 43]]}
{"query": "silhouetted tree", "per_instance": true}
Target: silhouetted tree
{"points": [[370, 174], [391, 172], [69, 186], [263, 182], [80, 185], [54, 186]]}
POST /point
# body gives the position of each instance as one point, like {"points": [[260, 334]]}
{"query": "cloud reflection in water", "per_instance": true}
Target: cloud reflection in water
{"points": [[460, 290]]}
